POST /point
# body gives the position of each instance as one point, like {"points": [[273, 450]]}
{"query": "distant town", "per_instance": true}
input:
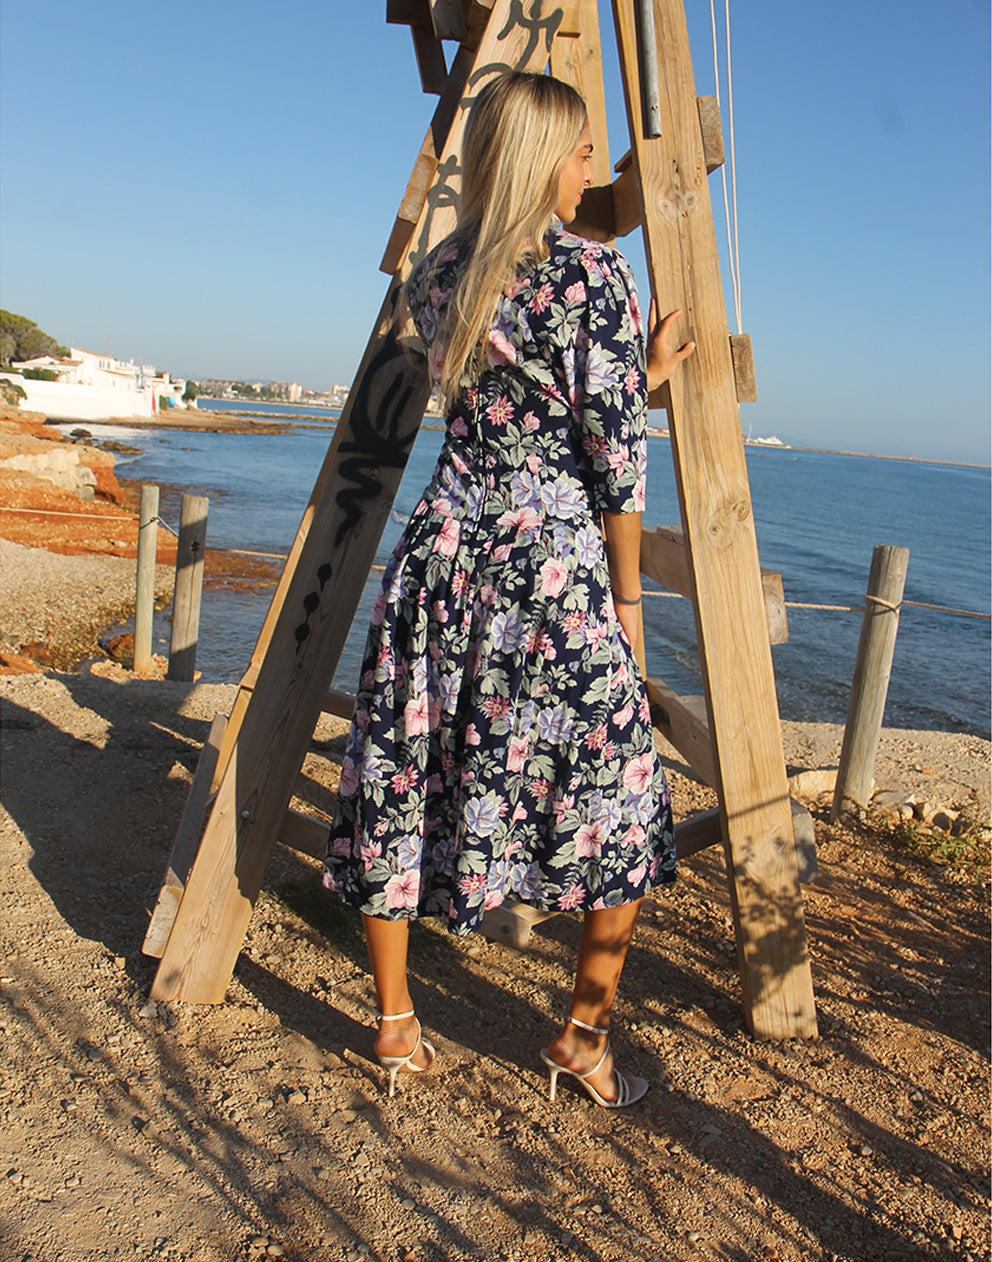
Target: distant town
{"points": [[273, 392]]}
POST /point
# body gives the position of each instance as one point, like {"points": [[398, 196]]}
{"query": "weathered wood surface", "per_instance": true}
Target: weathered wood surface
{"points": [[731, 628], [188, 588], [373, 439], [742, 354], [683, 723], [144, 584], [711, 130], [185, 845], [866, 709]]}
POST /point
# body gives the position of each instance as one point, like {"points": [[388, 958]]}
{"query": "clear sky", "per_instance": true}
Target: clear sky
{"points": [[208, 187]]}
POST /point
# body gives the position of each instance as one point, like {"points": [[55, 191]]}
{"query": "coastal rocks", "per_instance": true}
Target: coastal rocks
{"points": [[59, 465]]}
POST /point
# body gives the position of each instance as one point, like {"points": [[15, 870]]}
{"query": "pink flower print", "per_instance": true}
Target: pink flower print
{"points": [[533, 462], [493, 899], [447, 253], [435, 360], [496, 707], [438, 297], [519, 813], [415, 717], [572, 898], [434, 784], [632, 380], [594, 444], [619, 459], [459, 584], [349, 778], [562, 806], [369, 853], [379, 609], [380, 829], [487, 596], [635, 876], [610, 751], [501, 411], [623, 717], [404, 780], [644, 708], [575, 293], [575, 621], [502, 553], [446, 540], [634, 836], [473, 884], [341, 847], [330, 882], [516, 753], [620, 677], [640, 499], [531, 423], [402, 890], [499, 349], [589, 840], [542, 298], [472, 736], [554, 575], [597, 737], [541, 789], [458, 427], [638, 775]]}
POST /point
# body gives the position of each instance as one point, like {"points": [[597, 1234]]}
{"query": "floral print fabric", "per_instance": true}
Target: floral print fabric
{"points": [[502, 745]]}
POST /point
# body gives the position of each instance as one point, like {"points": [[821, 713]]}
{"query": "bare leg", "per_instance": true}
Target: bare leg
{"points": [[606, 937], [387, 942]]}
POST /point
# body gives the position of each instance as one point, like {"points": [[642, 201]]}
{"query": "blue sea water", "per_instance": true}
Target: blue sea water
{"points": [[817, 515]]}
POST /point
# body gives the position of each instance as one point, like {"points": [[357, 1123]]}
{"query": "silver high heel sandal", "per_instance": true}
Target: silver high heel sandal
{"points": [[395, 1063], [629, 1090]]}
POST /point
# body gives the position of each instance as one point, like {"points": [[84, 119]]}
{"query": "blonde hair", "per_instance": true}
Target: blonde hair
{"points": [[521, 130]]}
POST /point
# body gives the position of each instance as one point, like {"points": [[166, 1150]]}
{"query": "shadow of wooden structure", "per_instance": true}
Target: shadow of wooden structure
{"points": [[733, 736]]}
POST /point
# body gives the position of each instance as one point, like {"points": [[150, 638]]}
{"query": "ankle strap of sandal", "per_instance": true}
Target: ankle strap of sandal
{"points": [[593, 1029], [394, 1016]]}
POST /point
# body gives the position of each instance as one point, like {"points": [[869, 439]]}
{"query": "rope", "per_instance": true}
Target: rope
{"points": [[733, 243], [796, 604], [52, 512]]}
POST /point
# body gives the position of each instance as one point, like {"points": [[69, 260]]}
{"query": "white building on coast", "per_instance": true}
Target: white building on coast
{"points": [[91, 387]]}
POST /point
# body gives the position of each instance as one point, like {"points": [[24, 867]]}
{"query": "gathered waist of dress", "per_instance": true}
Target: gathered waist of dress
{"points": [[470, 484]]}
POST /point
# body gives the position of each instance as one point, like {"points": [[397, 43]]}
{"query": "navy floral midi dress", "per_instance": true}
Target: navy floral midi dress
{"points": [[502, 746]]}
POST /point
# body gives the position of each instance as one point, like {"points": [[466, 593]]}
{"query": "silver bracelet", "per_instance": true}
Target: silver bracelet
{"points": [[619, 600]]}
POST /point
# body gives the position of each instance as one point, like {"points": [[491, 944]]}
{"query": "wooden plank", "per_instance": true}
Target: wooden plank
{"points": [[430, 59], [190, 552], [625, 195], [731, 629], [699, 832], [511, 923], [185, 844], [356, 489], [711, 130], [743, 360], [302, 832], [339, 704], [576, 60], [683, 723], [408, 12]]}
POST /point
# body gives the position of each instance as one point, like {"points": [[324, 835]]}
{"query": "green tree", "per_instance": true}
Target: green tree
{"points": [[20, 338], [189, 394]]}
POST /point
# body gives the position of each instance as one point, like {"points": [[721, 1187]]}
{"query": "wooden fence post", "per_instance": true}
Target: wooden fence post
{"points": [[144, 586], [189, 585], [863, 728]]}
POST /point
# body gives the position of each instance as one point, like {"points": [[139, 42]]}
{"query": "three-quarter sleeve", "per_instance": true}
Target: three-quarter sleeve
{"points": [[611, 391]]}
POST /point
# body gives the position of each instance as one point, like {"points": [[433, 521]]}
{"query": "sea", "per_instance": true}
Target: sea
{"points": [[818, 515]]}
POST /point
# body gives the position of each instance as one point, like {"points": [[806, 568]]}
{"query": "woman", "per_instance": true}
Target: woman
{"points": [[502, 745]]}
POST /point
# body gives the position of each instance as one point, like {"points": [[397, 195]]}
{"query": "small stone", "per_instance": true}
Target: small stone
{"points": [[120, 961], [866, 1151], [150, 1009], [347, 1116], [275, 1251], [407, 1203], [597, 1209], [258, 1243], [296, 1096]]}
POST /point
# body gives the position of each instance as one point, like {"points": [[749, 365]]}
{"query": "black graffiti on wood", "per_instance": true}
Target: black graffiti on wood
{"points": [[384, 410]]}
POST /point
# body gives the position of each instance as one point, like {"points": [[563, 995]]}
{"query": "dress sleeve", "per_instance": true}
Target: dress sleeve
{"points": [[611, 388]]}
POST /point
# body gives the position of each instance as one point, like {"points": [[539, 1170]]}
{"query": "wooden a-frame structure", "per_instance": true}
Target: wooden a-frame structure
{"points": [[250, 764]]}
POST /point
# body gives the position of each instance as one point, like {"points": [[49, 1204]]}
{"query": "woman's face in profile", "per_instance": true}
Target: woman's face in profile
{"points": [[576, 177]]}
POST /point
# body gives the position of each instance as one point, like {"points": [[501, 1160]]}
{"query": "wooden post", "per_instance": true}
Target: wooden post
{"points": [[189, 585], [144, 585], [866, 709], [718, 526]]}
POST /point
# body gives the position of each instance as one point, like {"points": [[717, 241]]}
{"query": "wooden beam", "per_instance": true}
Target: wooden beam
{"points": [[339, 704], [682, 721], [302, 832], [185, 845], [448, 18], [743, 357], [351, 504], [430, 59], [711, 130], [711, 474], [625, 194], [664, 559]]}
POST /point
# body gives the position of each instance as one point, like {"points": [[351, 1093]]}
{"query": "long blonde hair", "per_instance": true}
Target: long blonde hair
{"points": [[521, 130]]}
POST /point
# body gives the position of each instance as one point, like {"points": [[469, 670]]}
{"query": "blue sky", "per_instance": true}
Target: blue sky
{"points": [[209, 187]]}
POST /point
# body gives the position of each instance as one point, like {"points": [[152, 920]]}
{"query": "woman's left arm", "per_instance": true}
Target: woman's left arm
{"points": [[622, 535]]}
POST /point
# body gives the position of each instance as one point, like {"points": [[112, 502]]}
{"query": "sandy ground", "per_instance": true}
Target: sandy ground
{"points": [[260, 1127]]}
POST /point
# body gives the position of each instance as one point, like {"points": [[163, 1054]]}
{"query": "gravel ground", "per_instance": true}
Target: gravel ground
{"points": [[260, 1127], [54, 608]]}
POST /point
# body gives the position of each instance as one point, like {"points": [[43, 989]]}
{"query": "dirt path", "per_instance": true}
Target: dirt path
{"points": [[260, 1128]]}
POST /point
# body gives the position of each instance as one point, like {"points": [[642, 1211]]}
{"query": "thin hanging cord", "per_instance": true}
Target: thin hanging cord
{"points": [[733, 246]]}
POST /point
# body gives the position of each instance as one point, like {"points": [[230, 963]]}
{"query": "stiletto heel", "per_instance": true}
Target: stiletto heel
{"points": [[395, 1063], [629, 1090]]}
